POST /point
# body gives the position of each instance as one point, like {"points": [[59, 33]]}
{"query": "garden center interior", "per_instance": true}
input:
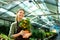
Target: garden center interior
{"points": [[43, 14]]}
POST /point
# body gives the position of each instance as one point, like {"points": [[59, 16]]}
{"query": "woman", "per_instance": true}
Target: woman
{"points": [[16, 32]]}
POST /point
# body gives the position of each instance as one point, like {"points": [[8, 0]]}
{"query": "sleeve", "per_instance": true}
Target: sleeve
{"points": [[11, 32]]}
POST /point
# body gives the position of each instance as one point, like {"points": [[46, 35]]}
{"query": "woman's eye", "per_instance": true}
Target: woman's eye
{"points": [[20, 12]]}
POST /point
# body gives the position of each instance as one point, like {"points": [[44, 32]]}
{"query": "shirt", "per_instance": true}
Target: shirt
{"points": [[13, 29]]}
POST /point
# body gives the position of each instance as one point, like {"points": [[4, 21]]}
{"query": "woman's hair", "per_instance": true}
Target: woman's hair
{"points": [[17, 13]]}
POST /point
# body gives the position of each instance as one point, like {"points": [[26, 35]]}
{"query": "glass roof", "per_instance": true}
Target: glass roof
{"points": [[38, 11]]}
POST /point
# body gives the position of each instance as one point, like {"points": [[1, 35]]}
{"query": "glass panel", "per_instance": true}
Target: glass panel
{"points": [[33, 8], [2, 10], [1, 22], [5, 15], [6, 23], [10, 13], [38, 12], [59, 6], [22, 5], [15, 9], [27, 3]]}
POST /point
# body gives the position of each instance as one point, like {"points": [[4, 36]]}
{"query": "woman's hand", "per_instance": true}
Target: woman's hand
{"points": [[18, 34], [25, 34], [21, 32]]}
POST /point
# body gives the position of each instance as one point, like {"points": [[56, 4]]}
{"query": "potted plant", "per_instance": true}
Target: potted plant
{"points": [[25, 25], [38, 34]]}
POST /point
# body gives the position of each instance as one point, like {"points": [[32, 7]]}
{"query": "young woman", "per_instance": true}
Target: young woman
{"points": [[15, 31]]}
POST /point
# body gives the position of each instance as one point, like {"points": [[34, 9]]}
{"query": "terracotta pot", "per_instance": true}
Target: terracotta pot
{"points": [[26, 31]]}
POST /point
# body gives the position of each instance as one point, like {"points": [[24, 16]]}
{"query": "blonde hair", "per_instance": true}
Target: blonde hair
{"points": [[16, 18]]}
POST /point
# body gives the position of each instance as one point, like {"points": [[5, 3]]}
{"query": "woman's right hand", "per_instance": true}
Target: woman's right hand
{"points": [[18, 34], [21, 32]]}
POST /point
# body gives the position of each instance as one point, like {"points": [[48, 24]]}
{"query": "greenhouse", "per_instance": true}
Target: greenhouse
{"points": [[29, 19]]}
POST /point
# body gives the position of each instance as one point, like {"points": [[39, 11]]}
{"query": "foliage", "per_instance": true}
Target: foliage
{"points": [[4, 37], [25, 24], [38, 33], [4, 29]]}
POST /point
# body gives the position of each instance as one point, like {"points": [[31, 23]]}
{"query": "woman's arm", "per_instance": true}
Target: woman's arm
{"points": [[18, 34], [12, 29]]}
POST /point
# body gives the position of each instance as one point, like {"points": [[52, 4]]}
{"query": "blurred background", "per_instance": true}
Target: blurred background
{"points": [[44, 13]]}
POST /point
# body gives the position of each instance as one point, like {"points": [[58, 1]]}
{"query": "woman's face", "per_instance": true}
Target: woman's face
{"points": [[20, 14]]}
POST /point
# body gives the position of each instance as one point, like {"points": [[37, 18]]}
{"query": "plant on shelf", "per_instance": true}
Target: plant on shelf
{"points": [[4, 37], [51, 35], [38, 34], [48, 34], [54, 32]]}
